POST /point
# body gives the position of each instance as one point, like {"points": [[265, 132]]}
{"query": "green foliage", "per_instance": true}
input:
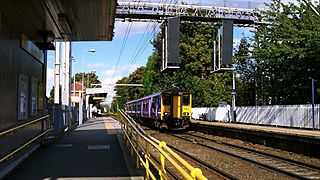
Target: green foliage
{"points": [[92, 77], [274, 67], [287, 54], [128, 93], [194, 73], [51, 98], [245, 73]]}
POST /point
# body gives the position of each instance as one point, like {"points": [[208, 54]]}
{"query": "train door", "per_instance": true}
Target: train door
{"points": [[176, 105]]}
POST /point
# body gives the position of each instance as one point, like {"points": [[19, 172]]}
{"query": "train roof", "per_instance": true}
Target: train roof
{"points": [[156, 94]]}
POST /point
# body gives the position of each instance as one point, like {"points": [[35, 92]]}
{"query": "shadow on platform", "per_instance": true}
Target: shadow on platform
{"points": [[88, 152]]}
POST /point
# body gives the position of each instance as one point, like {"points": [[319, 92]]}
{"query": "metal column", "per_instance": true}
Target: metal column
{"points": [[57, 73], [67, 72]]}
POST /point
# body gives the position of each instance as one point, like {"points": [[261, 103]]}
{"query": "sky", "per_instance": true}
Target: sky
{"points": [[118, 58]]}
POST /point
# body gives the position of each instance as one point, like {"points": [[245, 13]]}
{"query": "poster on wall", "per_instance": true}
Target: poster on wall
{"points": [[34, 97], [23, 99], [40, 96]]}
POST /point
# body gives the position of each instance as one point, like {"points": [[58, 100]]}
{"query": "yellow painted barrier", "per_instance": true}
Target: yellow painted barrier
{"points": [[26, 125], [135, 135], [10, 131]]}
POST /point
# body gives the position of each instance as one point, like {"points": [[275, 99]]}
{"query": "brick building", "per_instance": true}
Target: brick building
{"points": [[75, 90]]}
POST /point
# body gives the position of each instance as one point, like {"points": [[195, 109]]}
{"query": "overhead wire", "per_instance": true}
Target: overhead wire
{"points": [[139, 48], [135, 51], [121, 49], [143, 47]]}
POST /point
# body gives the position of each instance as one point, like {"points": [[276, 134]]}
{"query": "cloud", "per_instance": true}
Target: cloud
{"points": [[136, 28], [50, 80], [236, 42], [293, 1], [111, 92], [110, 73], [97, 65]]}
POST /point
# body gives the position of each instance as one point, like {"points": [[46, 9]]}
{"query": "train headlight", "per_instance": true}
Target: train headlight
{"points": [[166, 113], [186, 114]]}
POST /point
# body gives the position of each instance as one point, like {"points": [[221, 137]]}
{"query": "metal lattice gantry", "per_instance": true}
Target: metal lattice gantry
{"points": [[141, 11]]}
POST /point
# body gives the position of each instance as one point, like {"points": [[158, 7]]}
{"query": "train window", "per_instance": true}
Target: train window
{"points": [[139, 106], [166, 99], [186, 99]]}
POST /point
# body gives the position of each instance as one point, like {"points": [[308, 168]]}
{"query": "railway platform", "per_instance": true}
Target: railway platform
{"points": [[91, 151], [304, 141]]}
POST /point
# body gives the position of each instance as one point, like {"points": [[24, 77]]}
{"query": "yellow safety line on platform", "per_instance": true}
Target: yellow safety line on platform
{"points": [[109, 126]]}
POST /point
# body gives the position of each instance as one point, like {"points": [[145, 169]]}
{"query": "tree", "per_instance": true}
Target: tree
{"points": [[128, 93], [286, 54], [245, 74], [194, 73], [93, 79], [51, 98]]}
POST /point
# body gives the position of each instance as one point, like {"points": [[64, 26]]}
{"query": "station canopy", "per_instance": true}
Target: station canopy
{"points": [[71, 20]]}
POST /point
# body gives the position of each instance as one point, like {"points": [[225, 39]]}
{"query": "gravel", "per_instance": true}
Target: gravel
{"points": [[237, 167]]}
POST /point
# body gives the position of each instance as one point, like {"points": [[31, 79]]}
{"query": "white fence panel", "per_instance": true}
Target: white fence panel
{"points": [[211, 113], [279, 115]]}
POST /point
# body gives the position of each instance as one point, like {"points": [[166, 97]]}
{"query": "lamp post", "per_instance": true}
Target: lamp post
{"points": [[74, 78], [89, 50], [233, 93], [81, 97], [92, 72], [88, 96]]}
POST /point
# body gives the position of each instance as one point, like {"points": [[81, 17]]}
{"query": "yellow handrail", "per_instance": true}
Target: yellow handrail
{"points": [[26, 124], [130, 128], [29, 142], [23, 146]]}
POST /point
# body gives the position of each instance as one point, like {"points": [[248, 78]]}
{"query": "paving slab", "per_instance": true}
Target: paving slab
{"points": [[91, 151]]}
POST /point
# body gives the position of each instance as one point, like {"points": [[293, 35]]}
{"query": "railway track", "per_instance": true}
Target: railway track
{"points": [[283, 165], [216, 171], [212, 170], [171, 173]]}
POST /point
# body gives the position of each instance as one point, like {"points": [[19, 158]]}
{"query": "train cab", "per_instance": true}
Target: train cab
{"points": [[176, 108]]}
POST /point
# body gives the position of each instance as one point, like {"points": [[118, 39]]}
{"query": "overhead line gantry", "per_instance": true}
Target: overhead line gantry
{"points": [[138, 11]]}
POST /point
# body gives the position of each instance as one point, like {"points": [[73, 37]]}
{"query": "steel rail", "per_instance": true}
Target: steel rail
{"points": [[163, 150], [167, 170], [289, 173], [23, 125], [205, 164], [139, 156], [260, 152]]}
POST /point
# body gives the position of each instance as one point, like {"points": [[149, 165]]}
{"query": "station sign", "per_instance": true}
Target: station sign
{"points": [[96, 91], [233, 92], [31, 48]]}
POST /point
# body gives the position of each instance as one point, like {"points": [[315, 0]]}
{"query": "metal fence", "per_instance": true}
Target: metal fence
{"points": [[63, 117], [299, 116]]}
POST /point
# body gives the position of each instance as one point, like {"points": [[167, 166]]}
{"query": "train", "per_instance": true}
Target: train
{"points": [[169, 108]]}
